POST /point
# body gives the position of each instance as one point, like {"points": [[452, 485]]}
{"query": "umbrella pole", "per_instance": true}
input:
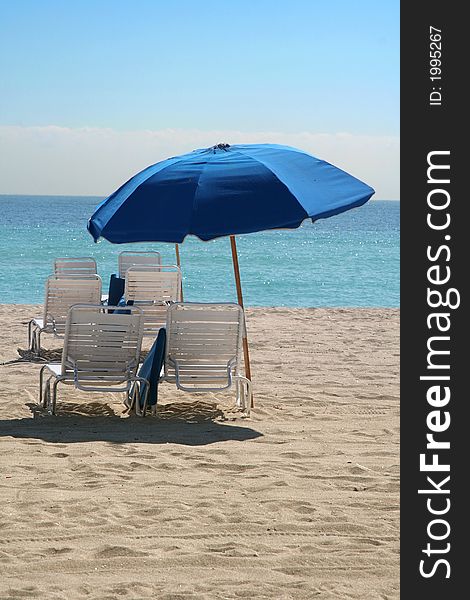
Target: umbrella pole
{"points": [[236, 269], [178, 264]]}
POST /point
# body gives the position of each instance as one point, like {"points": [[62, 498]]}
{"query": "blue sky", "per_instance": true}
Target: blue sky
{"points": [[295, 69]]}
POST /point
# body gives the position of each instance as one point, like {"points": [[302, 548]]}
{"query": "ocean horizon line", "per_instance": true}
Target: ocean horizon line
{"points": [[105, 196]]}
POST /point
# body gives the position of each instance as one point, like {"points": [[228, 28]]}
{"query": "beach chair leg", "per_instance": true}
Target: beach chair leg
{"points": [[41, 380], [140, 410], [30, 331], [238, 392], [53, 398], [37, 337], [247, 395], [47, 395], [134, 399], [32, 344], [146, 393], [130, 398], [241, 394], [137, 408]]}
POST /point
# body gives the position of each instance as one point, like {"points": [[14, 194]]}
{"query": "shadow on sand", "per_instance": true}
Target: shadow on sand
{"points": [[102, 424]]}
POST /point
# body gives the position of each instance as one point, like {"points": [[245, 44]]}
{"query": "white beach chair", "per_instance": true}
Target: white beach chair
{"points": [[61, 293], [128, 259], [203, 349], [153, 289], [75, 267], [101, 353]]}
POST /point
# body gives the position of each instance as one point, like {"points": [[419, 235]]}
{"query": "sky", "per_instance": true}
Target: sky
{"points": [[93, 91]]}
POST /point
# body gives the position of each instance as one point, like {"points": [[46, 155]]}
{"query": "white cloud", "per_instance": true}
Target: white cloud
{"points": [[94, 161]]}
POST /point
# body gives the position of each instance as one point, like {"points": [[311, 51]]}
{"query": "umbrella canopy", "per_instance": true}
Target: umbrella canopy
{"points": [[225, 190]]}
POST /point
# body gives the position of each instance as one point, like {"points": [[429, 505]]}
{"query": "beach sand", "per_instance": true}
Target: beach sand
{"points": [[300, 501]]}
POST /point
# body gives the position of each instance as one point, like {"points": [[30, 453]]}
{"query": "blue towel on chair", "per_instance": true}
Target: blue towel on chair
{"points": [[152, 366], [116, 289]]}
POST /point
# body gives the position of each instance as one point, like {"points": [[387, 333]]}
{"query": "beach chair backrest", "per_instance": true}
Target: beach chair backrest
{"points": [[102, 345], [156, 284], [62, 292], [128, 259], [75, 267], [203, 344], [152, 288]]}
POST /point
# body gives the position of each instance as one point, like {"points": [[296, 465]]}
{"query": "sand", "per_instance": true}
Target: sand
{"points": [[299, 501]]}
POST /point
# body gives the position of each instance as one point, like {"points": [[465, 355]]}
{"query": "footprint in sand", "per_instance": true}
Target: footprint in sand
{"points": [[112, 551], [26, 592]]}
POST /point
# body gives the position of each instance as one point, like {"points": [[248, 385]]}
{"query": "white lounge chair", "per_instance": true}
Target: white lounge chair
{"points": [[153, 288], [203, 349], [75, 267], [101, 353], [128, 259], [61, 293]]}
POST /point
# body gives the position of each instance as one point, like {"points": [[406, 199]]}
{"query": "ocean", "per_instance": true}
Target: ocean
{"points": [[349, 260]]}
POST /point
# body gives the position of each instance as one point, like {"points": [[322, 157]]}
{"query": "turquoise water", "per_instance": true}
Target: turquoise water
{"points": [[351, 259]]}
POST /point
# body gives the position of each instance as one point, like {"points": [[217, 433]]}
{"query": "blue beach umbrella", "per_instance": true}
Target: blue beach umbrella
{"points": [[225, 191]]}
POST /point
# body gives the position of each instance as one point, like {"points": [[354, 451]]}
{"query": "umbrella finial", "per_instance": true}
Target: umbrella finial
{"points": [[221, 147]]}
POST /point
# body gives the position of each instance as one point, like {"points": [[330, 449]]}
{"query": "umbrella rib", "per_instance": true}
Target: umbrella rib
{"points": [[196, 190]]}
